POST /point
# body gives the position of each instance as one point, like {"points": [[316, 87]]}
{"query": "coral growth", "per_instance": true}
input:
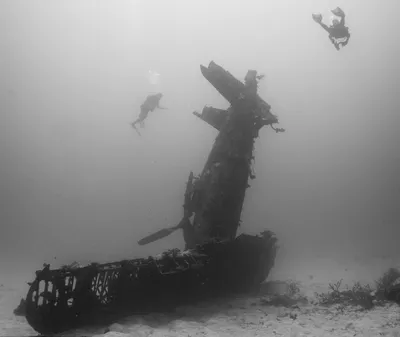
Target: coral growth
{"points": [[358, 295], [387, 288]]}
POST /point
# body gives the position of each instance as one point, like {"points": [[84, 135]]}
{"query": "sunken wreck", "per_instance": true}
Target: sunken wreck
{"points": [[215, 261]]}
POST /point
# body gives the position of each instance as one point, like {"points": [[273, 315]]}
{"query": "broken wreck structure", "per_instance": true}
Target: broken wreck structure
{"points": [[215, 260]]}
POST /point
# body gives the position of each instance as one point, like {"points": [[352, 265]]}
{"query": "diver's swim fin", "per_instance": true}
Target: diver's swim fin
{"points": [[134, 127], [317, 18], [338, 12]]}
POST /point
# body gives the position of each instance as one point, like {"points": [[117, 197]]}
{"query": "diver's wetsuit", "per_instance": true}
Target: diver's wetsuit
{"points": [[150, 104], [339, 35]]}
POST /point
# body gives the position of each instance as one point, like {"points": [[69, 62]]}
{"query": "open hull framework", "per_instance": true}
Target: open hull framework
{"points": [[215, 261]]}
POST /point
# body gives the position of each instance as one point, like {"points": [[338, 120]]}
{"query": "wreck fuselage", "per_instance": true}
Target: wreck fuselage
{"points": [[216, 261], [219, 191]]}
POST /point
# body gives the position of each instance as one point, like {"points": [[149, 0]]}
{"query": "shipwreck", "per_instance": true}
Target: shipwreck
{"points": [[215, 261]]}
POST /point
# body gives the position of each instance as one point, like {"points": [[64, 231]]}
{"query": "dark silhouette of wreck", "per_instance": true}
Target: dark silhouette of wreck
{"points": [[215, 261]]}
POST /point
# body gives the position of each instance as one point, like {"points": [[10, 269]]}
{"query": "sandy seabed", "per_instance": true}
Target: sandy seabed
{"points": [[249, 316]]}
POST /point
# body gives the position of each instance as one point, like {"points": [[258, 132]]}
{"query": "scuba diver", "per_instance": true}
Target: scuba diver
{"points": [[151, 103], [338, 32]]}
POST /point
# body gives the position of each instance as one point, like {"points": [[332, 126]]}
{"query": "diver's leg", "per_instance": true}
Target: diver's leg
{"points": [[135, 122], [336, 45], [142, 116], [142, 119], [347, 41], [332, 39], [134, 127]]}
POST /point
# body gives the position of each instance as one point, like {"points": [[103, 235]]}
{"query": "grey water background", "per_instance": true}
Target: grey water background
{"points": [[76, 182]]}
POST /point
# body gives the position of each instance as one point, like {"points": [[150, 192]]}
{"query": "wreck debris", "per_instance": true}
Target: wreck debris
{"points": [[217, 199], [20, 310], [224, 179], [215, 260], [61, 299], [183, 224], [213, 116]]}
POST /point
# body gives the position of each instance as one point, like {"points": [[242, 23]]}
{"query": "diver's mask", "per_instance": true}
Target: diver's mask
{"points": [[335, 22]]}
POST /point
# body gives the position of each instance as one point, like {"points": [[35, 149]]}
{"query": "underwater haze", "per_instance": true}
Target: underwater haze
{"points": [[77, 183]]}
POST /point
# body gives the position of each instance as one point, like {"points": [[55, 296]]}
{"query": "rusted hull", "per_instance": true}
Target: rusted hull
{"points": [[220, 189], [65, 299], [215, 262]]}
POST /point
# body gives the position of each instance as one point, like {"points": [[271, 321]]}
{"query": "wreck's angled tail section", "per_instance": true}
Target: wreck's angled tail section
{"points": [[216, 197], [232, 90], [219, 78], [217, 118], [220, 189]]}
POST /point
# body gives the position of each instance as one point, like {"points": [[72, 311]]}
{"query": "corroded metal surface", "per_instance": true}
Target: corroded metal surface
{"points": [[63, 299], [215, 260], [214, 199]]}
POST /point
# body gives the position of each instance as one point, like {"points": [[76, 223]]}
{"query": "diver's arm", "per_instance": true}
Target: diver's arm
{"points": [[324, 26], [160, 107], [334, 42]]}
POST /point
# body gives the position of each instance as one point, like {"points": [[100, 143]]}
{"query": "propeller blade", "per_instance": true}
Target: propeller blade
{"points": [[158, 235]]}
